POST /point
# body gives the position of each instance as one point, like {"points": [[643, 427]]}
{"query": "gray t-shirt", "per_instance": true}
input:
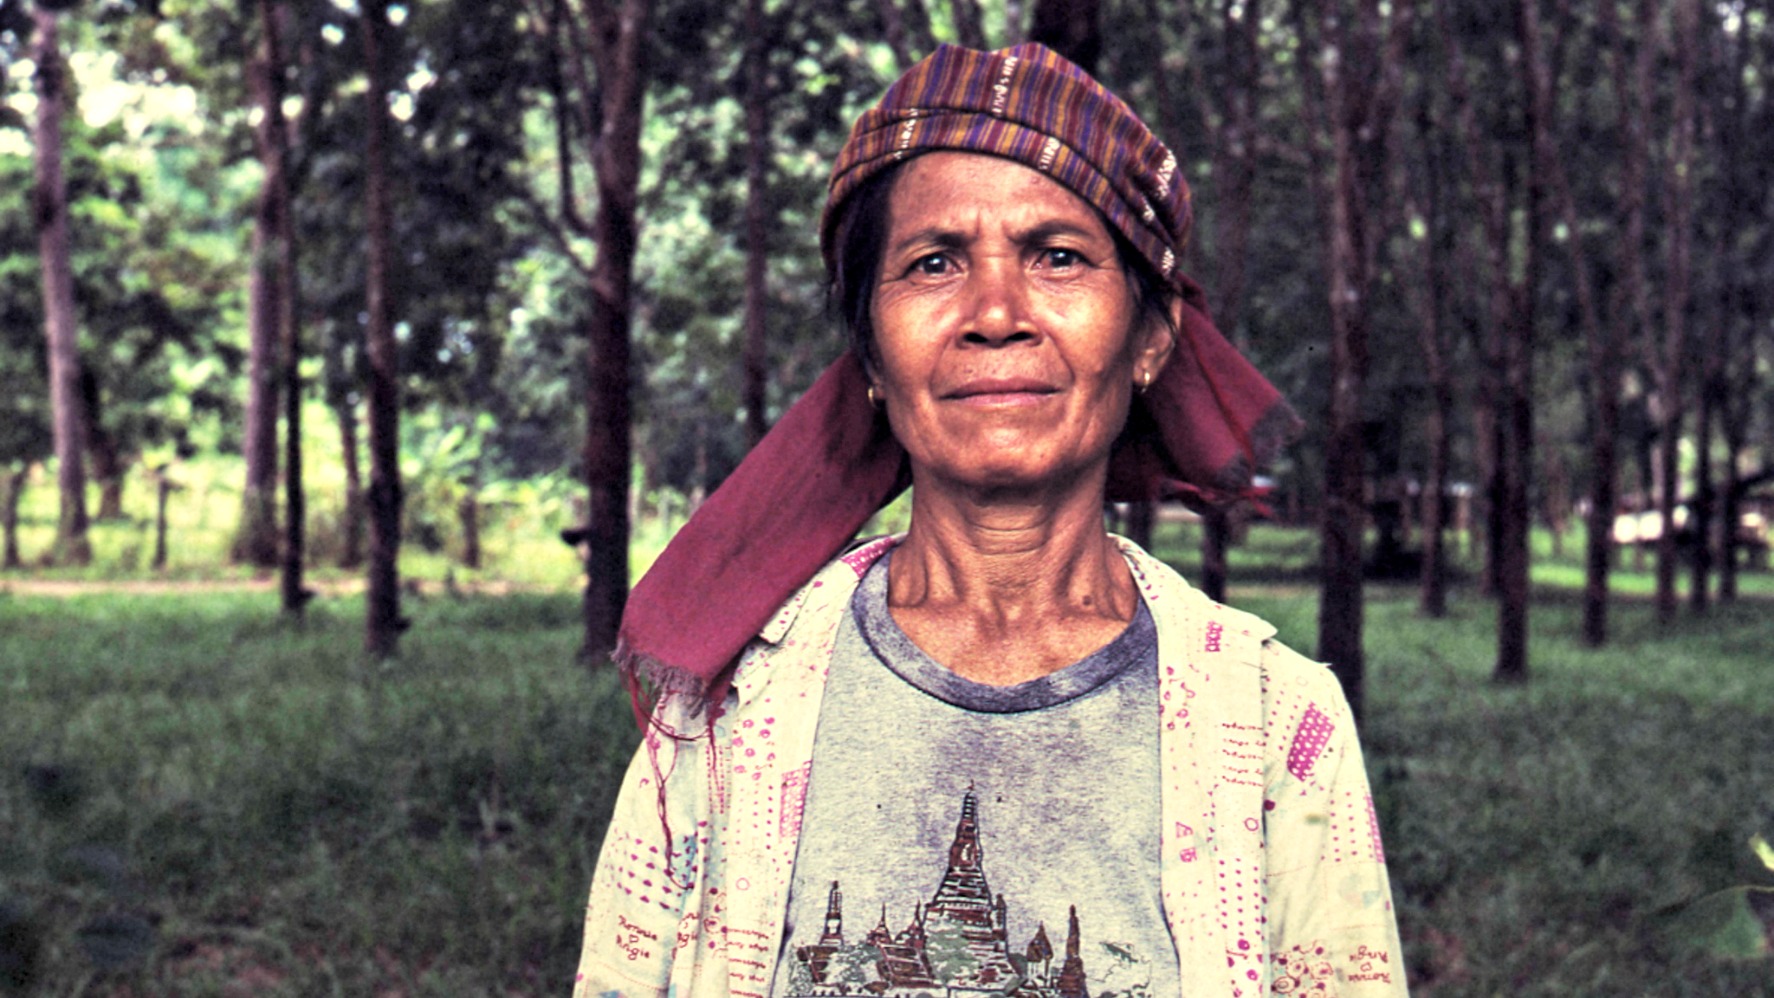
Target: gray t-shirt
{"points": [[960, 837]]}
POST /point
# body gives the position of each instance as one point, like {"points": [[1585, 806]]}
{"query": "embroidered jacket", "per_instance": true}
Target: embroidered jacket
{"points": [[1272, 874]]}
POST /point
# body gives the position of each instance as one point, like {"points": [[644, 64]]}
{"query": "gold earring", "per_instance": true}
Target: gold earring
{"points": [[874, 400], [1145, 381]]}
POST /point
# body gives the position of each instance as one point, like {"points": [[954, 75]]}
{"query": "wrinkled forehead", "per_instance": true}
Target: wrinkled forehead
{"points": [[962, 193]]}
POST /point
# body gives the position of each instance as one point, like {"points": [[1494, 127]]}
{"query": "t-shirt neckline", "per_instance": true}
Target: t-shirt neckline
{"points": [[902, 656]]}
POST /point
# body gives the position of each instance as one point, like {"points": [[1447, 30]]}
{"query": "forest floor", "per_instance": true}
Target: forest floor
{"points": [[201, 798]]}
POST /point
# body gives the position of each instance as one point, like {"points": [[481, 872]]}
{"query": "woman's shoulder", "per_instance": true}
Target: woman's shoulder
{"points": [[1170, 597], [822, 597]]}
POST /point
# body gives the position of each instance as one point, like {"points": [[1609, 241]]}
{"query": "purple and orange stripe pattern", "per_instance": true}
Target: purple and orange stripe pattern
{"points": [[1029, 105]]}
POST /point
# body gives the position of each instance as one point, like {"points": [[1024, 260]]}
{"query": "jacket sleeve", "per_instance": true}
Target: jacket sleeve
{"points": [[1332, 926], [648, 871]]}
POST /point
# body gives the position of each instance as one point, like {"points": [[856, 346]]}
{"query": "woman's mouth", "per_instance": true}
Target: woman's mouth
{"points": [[1001, 391]]}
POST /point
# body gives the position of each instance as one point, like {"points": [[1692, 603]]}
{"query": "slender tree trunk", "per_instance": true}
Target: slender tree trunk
{"points": [[60, 324], [468, 513], [1070, 27], [1432, 579], [102, 454], [1701, 519], [970, 23], [256, 541], [278, 189], [1601, 352], [1235, 176], [383, 622], [1675, 301], [1730, 515], [1358, 98], [9, 502], [163, 489], [607, 457], [907, 30], [1518, 460], [1741, 322], [757, 250], [351, 549]]}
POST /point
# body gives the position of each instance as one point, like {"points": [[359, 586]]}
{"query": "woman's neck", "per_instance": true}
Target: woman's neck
{"points": [[1004, 590]]}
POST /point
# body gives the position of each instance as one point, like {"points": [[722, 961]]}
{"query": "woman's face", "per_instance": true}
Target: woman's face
{"points": [[1007, 336]]}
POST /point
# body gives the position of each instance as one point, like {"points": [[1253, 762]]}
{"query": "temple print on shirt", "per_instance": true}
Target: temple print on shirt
{"points": [[958, 945]]}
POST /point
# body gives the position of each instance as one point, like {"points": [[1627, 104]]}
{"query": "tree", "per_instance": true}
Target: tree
{"points": [[382, 622], [757, 145], [1352, 84], [60, 323], [1670, 349], [256, 539], [599, 46]]}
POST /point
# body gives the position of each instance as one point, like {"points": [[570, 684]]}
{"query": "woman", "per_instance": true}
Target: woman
{"points": [[1006, 752]]}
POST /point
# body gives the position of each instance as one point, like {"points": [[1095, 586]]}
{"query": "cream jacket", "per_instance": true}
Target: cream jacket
{"points": [[1272, 875]]}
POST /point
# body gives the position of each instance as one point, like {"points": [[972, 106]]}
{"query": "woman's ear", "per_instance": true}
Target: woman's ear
{"points": [[1158, 341]]}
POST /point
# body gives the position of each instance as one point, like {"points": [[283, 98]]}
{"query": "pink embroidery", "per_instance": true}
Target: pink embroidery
{"points": [[794, 800], [1373, 830], [1214, 630], [860, 559], [1309, 741], [1303, 970]]}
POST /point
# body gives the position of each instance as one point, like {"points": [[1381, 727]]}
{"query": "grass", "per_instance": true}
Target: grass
{"points": [[198, 799]]}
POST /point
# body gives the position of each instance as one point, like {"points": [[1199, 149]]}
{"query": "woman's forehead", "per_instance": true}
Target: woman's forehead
{"points": [[963, 190]]}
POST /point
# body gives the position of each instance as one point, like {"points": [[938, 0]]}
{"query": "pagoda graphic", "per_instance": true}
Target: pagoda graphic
{"points": [[956, 946]]}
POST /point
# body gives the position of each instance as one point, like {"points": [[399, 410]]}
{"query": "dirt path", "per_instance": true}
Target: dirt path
{"points": [[326, 587]]}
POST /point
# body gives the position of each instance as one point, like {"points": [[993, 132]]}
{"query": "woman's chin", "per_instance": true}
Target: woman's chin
{"points": [[1010, 477]]}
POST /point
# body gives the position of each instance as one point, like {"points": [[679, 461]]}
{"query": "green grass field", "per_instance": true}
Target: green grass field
{"points": [[199, 799]]}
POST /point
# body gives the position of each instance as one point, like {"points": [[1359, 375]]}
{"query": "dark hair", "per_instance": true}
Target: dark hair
{"points": [[862, 239]]}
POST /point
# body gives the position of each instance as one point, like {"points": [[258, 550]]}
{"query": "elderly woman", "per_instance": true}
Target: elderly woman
{"points": [[887, 770]]}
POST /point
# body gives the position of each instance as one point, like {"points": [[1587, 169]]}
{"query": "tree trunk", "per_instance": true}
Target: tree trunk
{"points": [[383, 623], [616, 157], [1069, 27], [1357, 102], [278, 188], [907, 31], [1675, 302], [468, 513], [970, 23], [256, 541], [9, 502], [1517, 461], [1700, 519], [102, 455], [351, 547], [1428, 299], [163, 489], [1234, 171], [757, 250], [1730, 515], [59, 319]]}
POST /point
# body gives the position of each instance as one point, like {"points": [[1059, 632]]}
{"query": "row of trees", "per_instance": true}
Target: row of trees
{"points": [[1519, 245]]}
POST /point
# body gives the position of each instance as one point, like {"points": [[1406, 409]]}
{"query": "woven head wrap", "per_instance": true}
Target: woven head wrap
{"points": [[800, 496]]}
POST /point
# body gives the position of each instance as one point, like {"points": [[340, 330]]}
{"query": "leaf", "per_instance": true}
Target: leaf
{"points": [[113, 942], [1763, 851], [1724, 924]]}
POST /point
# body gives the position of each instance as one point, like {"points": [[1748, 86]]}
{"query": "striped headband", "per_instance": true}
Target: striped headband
{"points": [[1029, 105]]}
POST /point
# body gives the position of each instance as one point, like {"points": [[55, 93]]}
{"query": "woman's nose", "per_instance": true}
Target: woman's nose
{"points": [[998, 302]]}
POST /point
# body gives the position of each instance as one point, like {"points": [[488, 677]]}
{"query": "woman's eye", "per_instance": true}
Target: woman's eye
{"points": [[933, 265], [1060, 259]]}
